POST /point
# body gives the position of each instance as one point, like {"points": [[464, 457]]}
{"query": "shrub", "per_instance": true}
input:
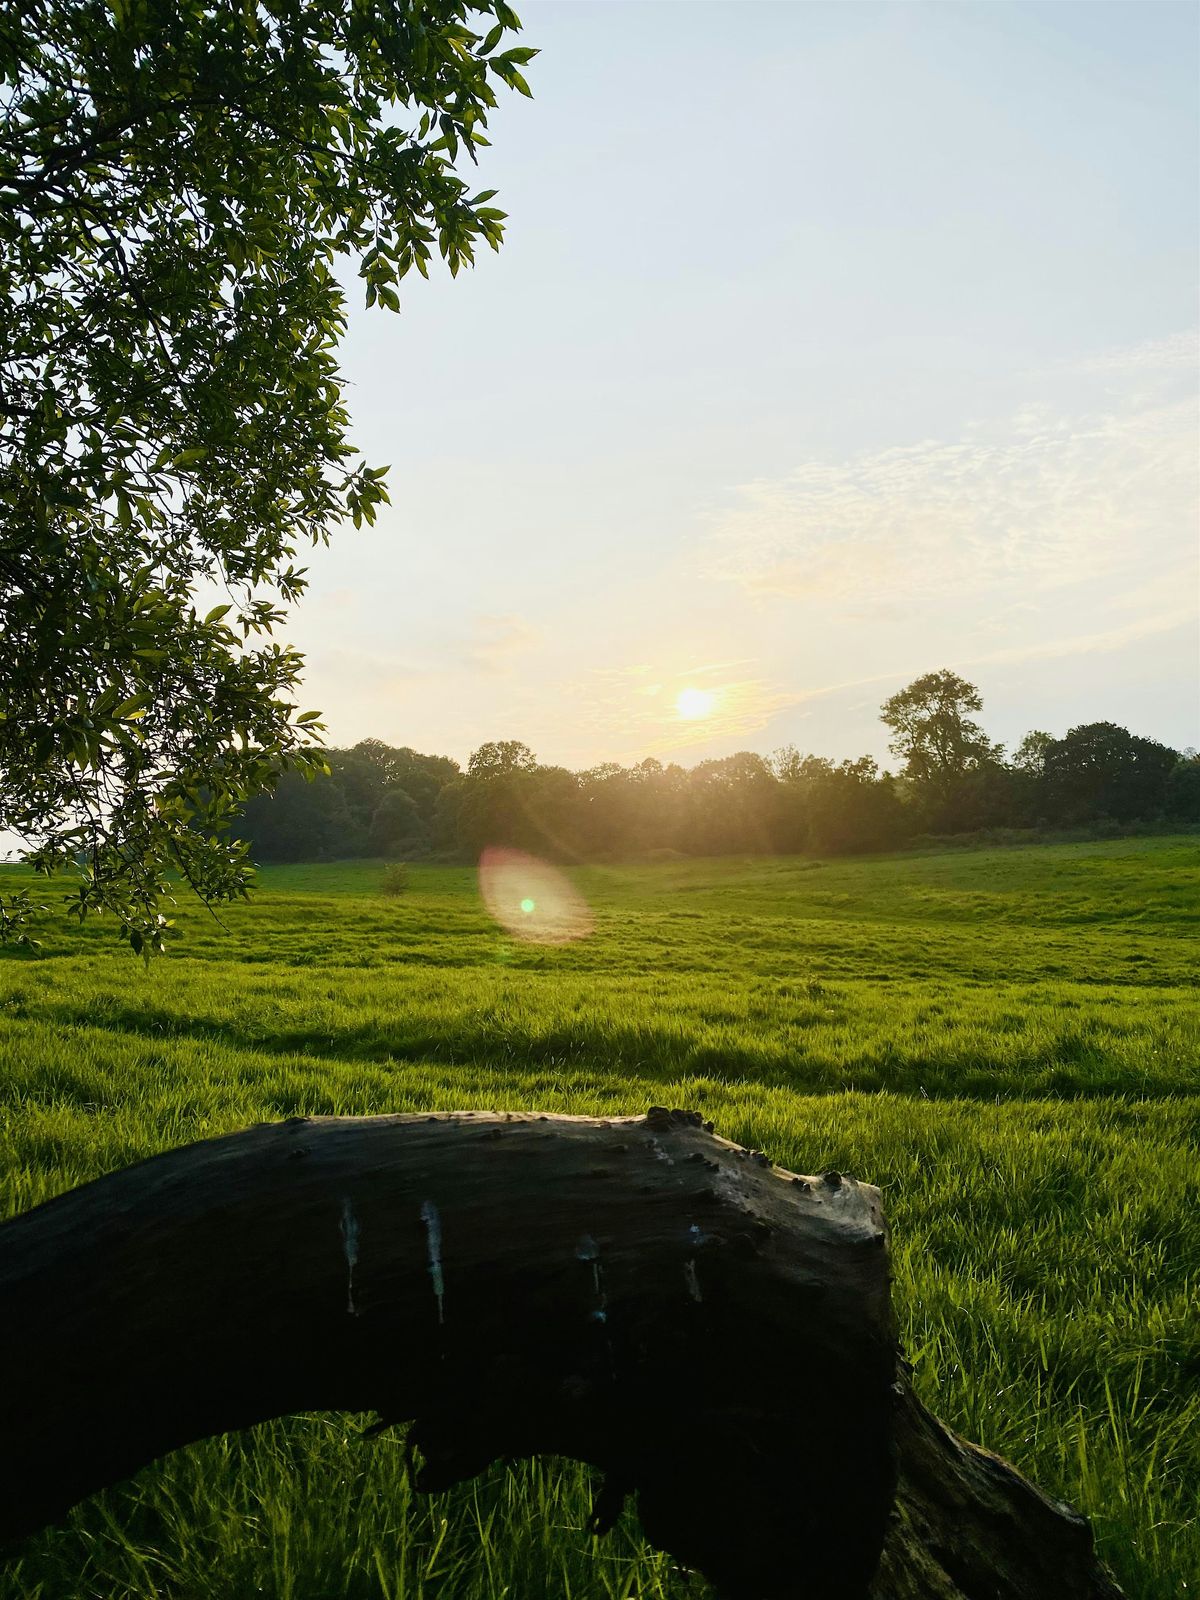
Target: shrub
{"points": [[395, 879]]}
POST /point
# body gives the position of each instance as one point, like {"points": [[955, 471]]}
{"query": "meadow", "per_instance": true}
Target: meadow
{"points": [[1007, 1041]]}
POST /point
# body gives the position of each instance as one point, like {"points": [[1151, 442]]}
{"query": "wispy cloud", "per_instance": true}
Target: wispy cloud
{"points": [[1041, 501], [1096, 643], [366, 671], [1177, 352], [498, 641], [1115, 638]]}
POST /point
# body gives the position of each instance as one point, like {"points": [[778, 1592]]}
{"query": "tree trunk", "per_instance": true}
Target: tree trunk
{"points": [[714, 1333]]}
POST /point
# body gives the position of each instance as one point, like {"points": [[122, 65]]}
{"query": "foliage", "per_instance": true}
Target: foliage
{"points": [[396, 823], [1027, 1096], [1030, 754], [401, 802], [1101, 770], [1183, 791], [395, 880], [373, 800], [842, 809], [301, 820], [501, 757], [931, 731], [371, 768], [178, 181]]}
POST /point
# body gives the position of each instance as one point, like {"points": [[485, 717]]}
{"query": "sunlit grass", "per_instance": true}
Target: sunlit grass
{"points": [[1006, 1041]]}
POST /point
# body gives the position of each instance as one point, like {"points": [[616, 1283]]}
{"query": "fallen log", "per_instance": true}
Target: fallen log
{"points": [[713, 1333]]}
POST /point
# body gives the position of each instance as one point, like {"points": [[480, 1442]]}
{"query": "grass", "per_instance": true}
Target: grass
{"points": [[1007, 1041]]}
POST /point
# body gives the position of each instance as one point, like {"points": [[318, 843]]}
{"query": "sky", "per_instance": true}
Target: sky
{"points": [[830, 344]]}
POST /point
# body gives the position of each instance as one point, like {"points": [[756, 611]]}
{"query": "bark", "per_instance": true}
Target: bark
{"points": [[713, 1333]]}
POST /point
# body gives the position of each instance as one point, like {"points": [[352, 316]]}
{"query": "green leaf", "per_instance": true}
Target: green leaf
{"points": [[133, 707], [174, 305]]}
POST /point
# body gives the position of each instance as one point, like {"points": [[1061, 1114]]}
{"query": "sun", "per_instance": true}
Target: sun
{"points": [[694, 703]]}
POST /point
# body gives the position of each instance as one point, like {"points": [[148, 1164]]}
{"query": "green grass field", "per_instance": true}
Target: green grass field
{"points": [[1007, 1041]]}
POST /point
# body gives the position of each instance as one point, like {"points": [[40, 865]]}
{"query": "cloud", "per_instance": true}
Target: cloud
{"points": [[498, 641], [1179, 616], [364, 672], [1036, 503], [1178, 351], [1096, 643]]}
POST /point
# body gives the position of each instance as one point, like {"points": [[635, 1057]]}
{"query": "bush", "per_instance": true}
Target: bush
{"points": [[395, 879]]}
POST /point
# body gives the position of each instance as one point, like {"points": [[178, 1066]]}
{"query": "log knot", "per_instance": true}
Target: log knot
{"points": [[661, 1120]]}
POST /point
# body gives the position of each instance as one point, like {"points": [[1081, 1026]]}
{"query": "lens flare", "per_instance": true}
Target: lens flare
{"points": [[531, 900]]}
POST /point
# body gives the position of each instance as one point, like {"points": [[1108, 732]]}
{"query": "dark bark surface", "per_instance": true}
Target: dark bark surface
{"points": [[713, 1333]]}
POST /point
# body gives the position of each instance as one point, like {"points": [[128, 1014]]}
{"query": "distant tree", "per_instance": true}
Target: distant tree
{"points": [[1021, 782], [501, 756], [351, 811], [795, 774], [791, 766], [932, 731], [1102, 770], [444, 828], [372, 767], [361, 778], [987, 795], [836, 809], [609, 811], [178, 185], [791, 802], [301, 820], [526, 808], [396, 826], [423, 777], [660, 796], [1030, 754], [732, 806], [852, 808], [1183, 790], [376, 757]]}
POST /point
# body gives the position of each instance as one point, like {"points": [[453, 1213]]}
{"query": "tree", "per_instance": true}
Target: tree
{"points": [[1183, 790], [1030, 754], [519, 807], [732, 804], [500, 756], [178, 180], [932, 732], [372, 767], [1102, 770], [836, 810], [852, 807], [301, 819], [396, 827]]}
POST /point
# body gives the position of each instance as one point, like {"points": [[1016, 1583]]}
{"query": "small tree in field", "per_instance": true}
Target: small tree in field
{"points": [[178, 181]]}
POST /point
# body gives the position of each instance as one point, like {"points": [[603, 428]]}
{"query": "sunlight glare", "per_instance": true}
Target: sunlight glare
{"points": [[693, 703]]}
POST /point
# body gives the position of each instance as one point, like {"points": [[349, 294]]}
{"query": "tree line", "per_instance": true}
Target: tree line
{"points": [[376, 800]]}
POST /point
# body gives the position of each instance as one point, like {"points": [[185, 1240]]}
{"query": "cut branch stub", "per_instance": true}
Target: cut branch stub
{"points": [[713, 1333]]}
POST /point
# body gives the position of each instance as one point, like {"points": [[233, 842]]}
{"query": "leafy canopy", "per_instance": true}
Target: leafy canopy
{"points": [[178, 180], [932, 730]]}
